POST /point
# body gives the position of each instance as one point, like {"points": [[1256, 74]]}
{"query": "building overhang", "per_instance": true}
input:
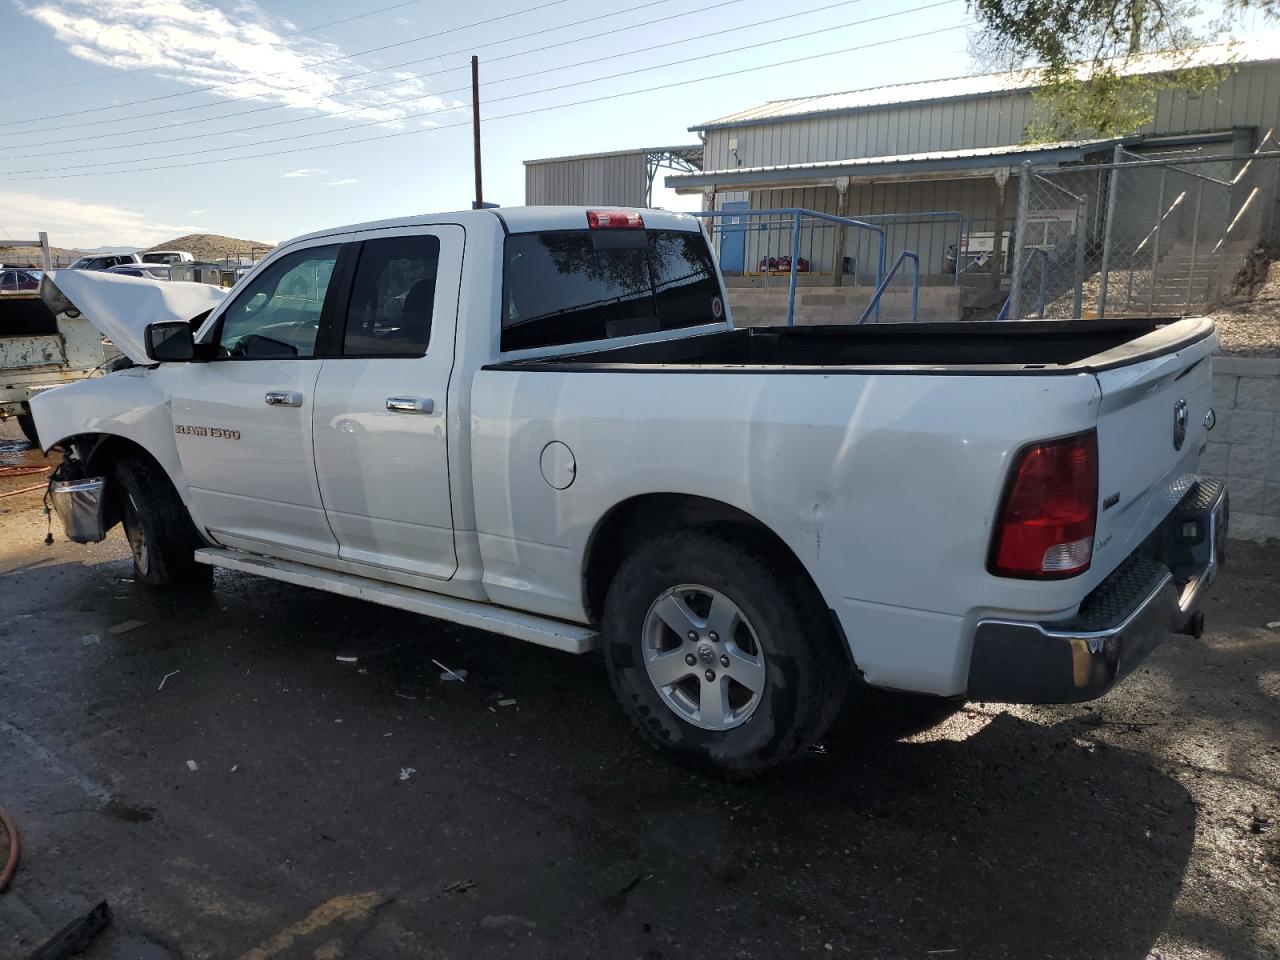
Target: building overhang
{"points": [[934, 165]]}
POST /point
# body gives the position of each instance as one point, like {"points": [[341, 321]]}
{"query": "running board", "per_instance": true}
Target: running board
{"points": [[570, 637]]}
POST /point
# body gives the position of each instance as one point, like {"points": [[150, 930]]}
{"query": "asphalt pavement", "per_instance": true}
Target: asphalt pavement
{"points": [[267, 771]]}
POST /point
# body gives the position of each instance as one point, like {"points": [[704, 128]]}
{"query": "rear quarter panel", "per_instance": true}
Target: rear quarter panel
{"points": [[883, 485]]}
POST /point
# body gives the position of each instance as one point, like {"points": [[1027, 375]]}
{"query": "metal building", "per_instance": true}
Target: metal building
{"points": [[623, 178], [949, 146]]}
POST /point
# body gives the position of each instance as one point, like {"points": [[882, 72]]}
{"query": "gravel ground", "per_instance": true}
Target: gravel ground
{"points": [[371, 809], [1250, 327]]}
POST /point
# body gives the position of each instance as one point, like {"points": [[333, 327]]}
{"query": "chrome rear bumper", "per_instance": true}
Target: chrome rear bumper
{"points": [[1128, 614]]}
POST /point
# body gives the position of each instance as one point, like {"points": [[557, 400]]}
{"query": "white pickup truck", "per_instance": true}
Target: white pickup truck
{"points": [[39, 350], [542, 422]]}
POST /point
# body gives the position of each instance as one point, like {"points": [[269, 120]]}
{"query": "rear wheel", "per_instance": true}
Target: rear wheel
{"points": [[161, 536], [27, 424], [720, 652]]}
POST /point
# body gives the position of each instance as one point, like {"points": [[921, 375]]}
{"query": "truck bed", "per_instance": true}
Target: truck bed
{"points": [[1054, 346]]}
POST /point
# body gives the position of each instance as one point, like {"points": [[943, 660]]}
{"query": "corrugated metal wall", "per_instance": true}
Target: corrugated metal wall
{"points": [[1248, 97], [615, 179], [976, 198]]}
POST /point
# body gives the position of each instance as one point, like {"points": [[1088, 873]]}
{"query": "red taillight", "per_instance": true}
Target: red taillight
{"points": [[614, 220], [1046, 522]]}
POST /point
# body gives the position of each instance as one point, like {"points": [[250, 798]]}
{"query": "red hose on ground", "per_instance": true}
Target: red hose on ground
{"points": [[14, 848]]}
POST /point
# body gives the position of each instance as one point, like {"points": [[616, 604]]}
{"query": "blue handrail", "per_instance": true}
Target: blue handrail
{"points": [[874, 303], [962, 229], [796, 213]]}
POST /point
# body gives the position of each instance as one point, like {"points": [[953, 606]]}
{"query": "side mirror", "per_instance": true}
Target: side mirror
{"points": [[170, 341]]}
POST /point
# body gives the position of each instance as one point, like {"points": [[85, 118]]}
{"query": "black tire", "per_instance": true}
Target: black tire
{"points": [[27, 424], [161, 536], [806, 672]]}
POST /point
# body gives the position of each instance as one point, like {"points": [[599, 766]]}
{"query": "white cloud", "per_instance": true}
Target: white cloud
{"points": [[303, 172], [403, 21], [345, 182], [196, 213], [200, 45], [73, 223]]}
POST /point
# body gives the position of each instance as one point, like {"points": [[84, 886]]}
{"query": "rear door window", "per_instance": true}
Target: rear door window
{"points": [[392, 297], [574, 286]]}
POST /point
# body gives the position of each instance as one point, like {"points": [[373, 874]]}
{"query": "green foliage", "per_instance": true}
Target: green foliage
{"points": [[1108, 103], [1086, 55]]}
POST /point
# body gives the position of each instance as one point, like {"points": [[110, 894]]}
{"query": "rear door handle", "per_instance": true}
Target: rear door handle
{"points": [[283, 398], [411, 405]]}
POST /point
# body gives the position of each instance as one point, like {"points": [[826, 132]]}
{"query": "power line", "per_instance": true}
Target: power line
{"points": [[319, 63], [506, 116], [514, 96], [522, 76], [462, 50], [115, 75]]}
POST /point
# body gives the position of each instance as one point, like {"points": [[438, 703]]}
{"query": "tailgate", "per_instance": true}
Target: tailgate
{"points": [[1152, 428]]}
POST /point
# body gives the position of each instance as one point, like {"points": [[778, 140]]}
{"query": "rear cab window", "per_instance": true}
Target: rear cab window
{"points": [[575, 286]]}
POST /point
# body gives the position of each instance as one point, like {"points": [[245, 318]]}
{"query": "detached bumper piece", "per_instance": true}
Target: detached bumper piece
{"points": [[1155, 592], [81, 506]]}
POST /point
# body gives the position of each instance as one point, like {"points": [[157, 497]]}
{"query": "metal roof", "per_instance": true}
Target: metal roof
{"points": [[689, 152], [1258, 50], [971, 161]]}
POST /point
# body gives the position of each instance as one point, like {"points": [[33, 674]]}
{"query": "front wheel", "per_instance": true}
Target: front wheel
{"points": [[161, 536], [27, 424], [720, 652]]}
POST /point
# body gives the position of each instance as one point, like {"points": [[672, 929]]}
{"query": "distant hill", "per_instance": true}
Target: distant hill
{"points": [[30, 256], [212, 246]]}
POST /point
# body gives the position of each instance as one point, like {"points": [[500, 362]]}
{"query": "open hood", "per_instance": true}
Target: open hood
{"points": [[122, 307]]}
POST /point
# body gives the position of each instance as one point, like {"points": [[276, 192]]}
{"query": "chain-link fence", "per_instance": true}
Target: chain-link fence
{"points": [[1145, 235]]}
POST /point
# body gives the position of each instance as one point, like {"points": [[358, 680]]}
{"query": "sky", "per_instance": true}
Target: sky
{"points": [[130, 122]]}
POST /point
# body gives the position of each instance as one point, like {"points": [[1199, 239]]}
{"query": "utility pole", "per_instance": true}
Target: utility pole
{"points": [[475, 126]]}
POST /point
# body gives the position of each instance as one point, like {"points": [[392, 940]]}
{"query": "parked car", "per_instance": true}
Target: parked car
{"points": [[542, 422], [149, 271], [168, 256], [17, 278], [104, 261]]}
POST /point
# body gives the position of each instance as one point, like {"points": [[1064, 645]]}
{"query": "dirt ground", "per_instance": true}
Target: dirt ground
{"points": [[209, 767], [1249, 323]]}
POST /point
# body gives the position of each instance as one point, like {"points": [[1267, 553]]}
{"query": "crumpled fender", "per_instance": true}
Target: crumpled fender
{"points": [[132, 404]]}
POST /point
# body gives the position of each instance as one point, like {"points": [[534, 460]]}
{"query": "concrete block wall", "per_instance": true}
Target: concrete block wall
{"points": [[759, 306], [1244, 446]]}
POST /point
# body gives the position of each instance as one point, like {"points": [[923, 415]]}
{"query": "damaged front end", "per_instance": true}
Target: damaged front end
{"points": [[81, 501], [81, 505]]}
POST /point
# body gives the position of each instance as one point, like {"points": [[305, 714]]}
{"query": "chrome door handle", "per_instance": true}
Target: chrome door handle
{"points": [[283, 398], [411, 405]]}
